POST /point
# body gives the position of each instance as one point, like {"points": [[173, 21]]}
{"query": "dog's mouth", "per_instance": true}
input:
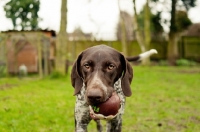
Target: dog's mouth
{"points": [[106, 110], [95, 116]]}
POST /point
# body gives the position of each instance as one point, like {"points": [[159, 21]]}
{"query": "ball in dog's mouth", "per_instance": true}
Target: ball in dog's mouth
{"points": [[109, 107]]}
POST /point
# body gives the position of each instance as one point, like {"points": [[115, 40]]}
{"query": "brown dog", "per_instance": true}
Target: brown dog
{"points": [[96, 74]]}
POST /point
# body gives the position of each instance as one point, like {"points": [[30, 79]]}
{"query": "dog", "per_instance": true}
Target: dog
{"points": [[97, 73]]}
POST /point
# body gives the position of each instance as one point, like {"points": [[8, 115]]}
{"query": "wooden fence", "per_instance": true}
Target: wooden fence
{"points": [[189, 48]]}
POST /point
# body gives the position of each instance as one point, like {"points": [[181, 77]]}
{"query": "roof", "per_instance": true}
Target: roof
{"points": [[194, 30], [53, 33]]}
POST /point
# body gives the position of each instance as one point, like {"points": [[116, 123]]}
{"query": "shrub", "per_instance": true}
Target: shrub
{"points": [[163, 63], [56, 75], [185, 62]]}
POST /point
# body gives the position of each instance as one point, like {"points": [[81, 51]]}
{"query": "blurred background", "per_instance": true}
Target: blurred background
{"points": [[48, 35]]}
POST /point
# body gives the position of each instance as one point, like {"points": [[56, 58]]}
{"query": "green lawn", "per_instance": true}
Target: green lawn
{"points": [[165, 99]]}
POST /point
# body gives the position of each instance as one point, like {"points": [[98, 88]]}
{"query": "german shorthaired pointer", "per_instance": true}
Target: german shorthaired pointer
{"points": [[96, 74]]}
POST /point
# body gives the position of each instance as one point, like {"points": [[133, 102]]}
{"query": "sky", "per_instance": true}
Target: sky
{"points": [[99, 17]]}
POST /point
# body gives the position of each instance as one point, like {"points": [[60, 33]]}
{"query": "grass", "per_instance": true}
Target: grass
{"points": [[165, 99]]}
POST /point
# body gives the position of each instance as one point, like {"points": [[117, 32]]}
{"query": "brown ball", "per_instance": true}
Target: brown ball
{"points": [[109, 107]]}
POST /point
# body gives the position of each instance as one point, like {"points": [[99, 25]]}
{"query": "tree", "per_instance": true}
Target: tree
{"points": [[61, 41], [123, 32], [172, 50], [128, 21], [156, 29], [147, 31], [182, 20], [23, 13], [143, 42]]}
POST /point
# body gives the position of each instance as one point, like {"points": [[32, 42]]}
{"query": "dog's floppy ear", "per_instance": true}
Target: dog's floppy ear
{"points": [[127, 77], [76, 79]]}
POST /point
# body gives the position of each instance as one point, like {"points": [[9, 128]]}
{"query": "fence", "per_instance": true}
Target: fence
{"points": [[189, 48]]}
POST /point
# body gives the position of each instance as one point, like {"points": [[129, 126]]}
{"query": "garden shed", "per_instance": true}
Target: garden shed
{"points": [[34, 49]]}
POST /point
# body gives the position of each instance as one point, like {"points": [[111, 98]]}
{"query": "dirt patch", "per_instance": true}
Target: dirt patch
{"points": [[183, 71], [7, 86], [195, 119], [189, 71]]}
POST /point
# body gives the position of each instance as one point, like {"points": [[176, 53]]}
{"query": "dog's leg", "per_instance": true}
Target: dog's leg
{"points": [[82, 114], [99, 126], [114, 125], [82, 118], [81, 126]]}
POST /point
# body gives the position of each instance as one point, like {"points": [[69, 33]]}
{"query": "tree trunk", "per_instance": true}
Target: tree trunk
{"points": [[147, 32], [123, 33], [61, 40], [123, 36], [143, 42], [172, 49], [46, 56], [137, 30], [39, 49]]}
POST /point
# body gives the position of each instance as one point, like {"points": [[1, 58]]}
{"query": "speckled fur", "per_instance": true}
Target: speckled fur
{"points": [[82, 113]]}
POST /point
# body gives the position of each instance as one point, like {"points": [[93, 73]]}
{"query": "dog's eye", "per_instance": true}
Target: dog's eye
{"points": [[87, 66], [110, 66]]}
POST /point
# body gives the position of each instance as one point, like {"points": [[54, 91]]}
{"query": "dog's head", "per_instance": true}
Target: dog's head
{"points": [[99, 67]]}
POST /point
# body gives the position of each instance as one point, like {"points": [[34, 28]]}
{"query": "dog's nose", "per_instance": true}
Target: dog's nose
{"points": [[95, 96]]}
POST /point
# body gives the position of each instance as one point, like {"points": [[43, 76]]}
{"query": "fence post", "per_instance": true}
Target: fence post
{"points": [[39, 55]]}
